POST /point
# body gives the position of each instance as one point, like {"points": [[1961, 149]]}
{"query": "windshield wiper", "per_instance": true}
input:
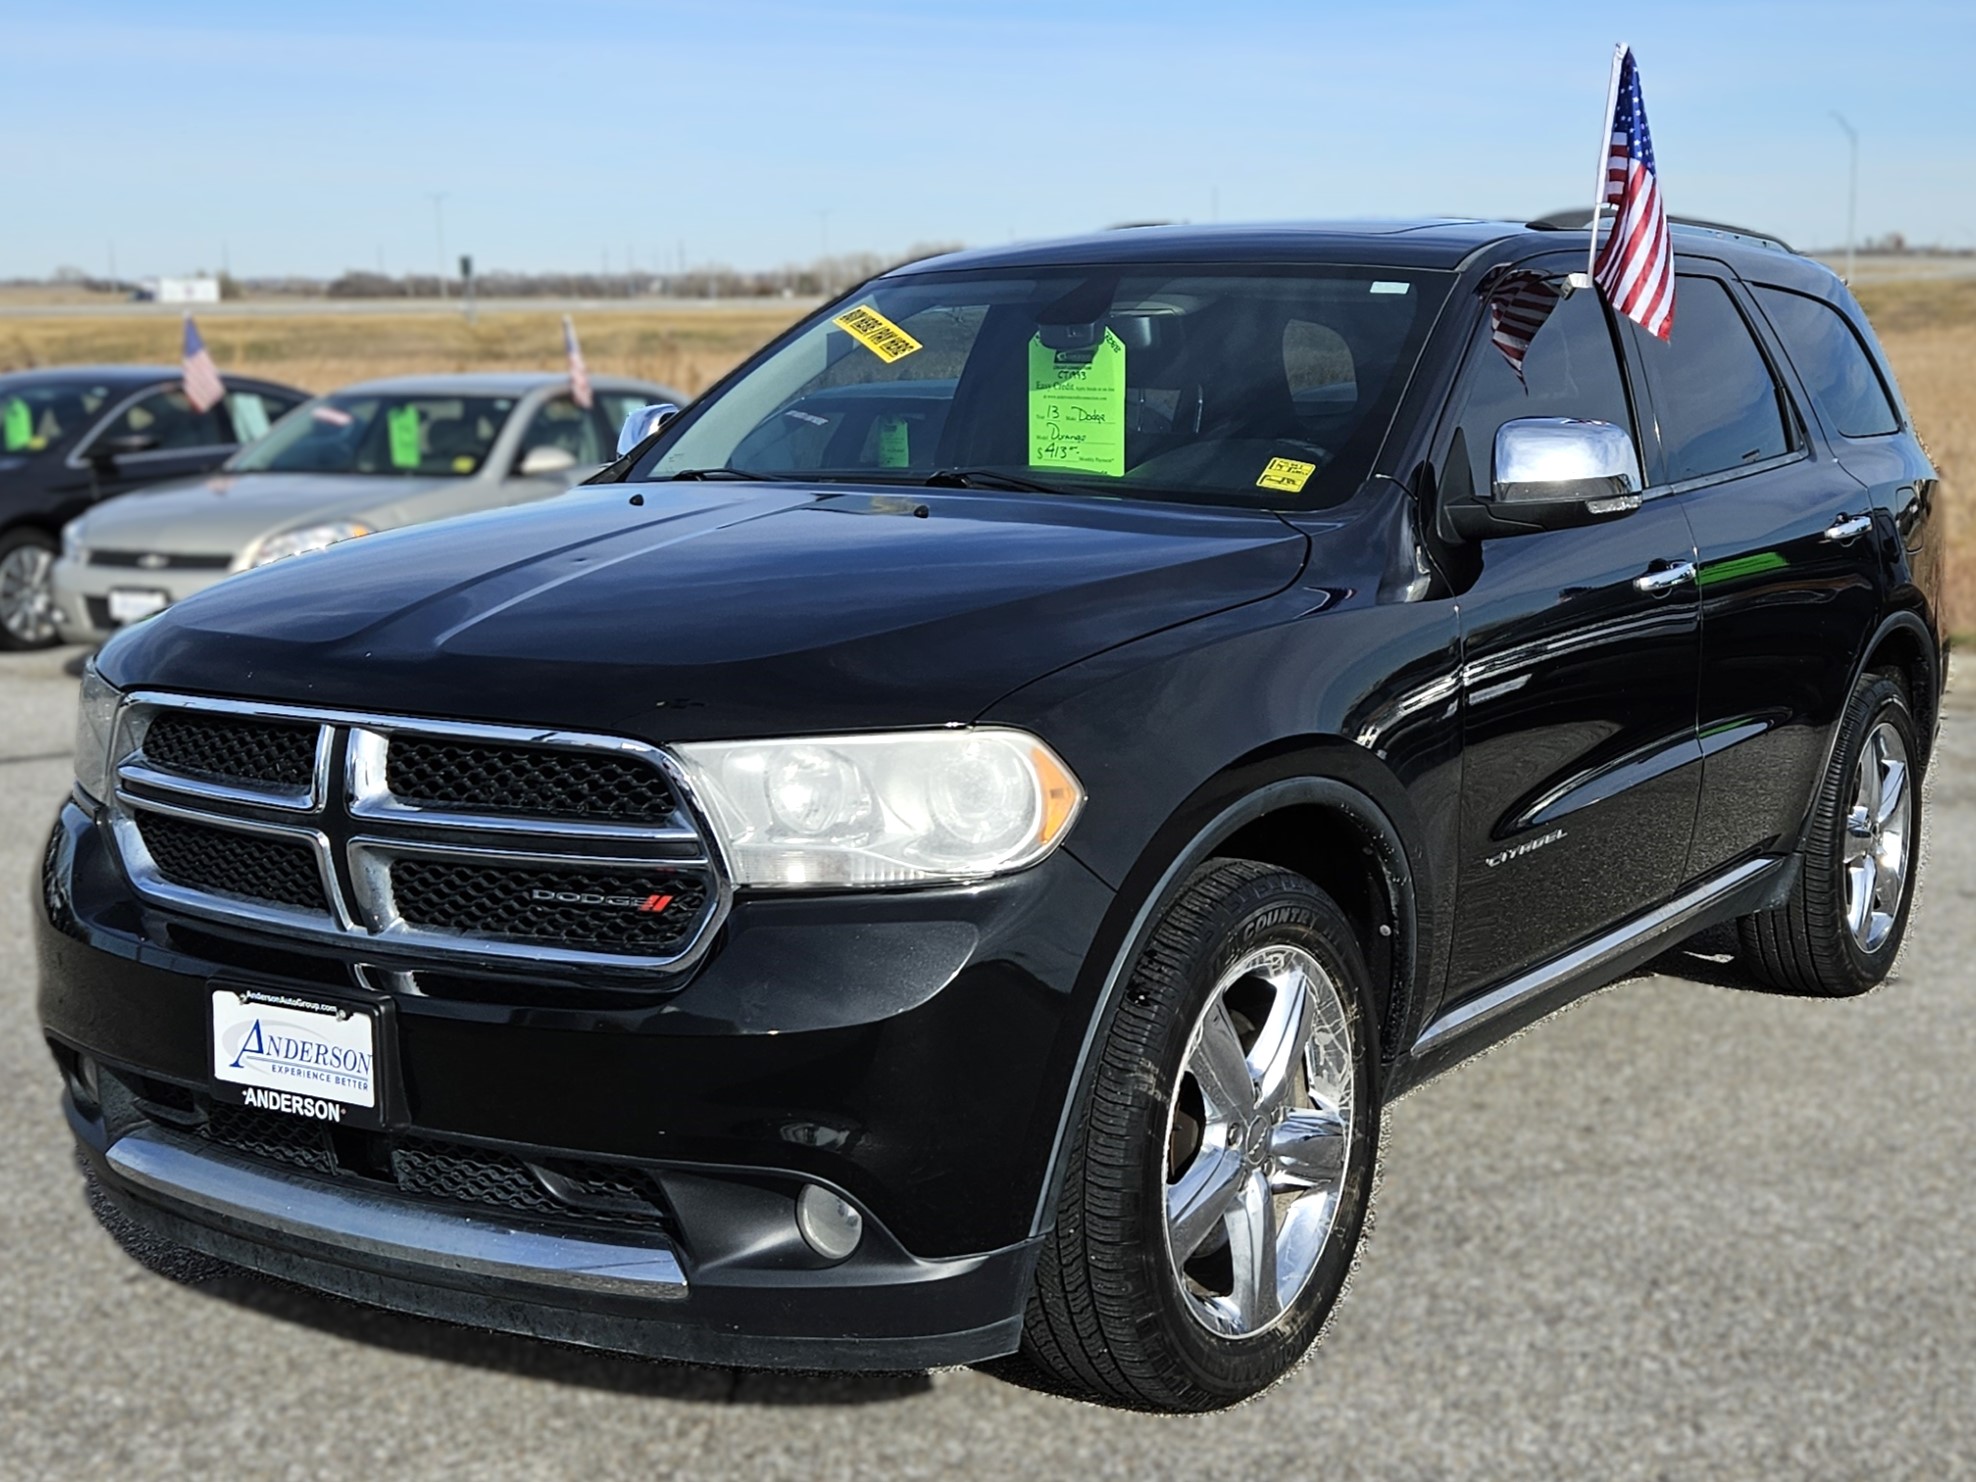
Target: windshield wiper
{"points": [[985, 478], [690, 474]]}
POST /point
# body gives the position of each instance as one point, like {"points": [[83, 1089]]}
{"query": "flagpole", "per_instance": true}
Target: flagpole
{"points": [[1605, 155]]}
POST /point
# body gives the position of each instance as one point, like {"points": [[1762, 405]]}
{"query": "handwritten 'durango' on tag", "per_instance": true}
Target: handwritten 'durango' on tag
{"points": [[1077, 407]]}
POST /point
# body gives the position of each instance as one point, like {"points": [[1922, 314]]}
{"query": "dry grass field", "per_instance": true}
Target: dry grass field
{"points": [[1928, 326]]}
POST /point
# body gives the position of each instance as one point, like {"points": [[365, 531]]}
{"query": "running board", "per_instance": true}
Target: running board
{"points": [[1478, 1014]]}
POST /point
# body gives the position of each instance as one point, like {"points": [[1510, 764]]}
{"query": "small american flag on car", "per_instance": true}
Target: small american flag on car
{"points": [[1635, 265], [1519, 303], [579, 374], [203, 386]]}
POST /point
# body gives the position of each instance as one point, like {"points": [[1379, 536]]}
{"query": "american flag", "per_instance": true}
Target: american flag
{"points": [[1519, 303], [203, 386], [1635, 266], [579, 375]]}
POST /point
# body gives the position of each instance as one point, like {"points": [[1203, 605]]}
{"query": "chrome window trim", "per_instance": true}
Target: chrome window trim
{"points": [[362, 913], [1726, 476]]}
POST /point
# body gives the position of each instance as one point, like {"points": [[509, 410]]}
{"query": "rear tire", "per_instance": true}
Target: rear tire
{"points": [[1838, 933], [1217, 1185], [27, 598]]}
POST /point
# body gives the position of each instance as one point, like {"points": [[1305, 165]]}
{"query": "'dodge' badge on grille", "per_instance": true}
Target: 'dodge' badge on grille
{"points": [[650, 904]]}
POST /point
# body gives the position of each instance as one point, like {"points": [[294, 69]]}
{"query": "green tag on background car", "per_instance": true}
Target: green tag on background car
{"points": [[1077, 407], [403, 425], [895, 448], [19, 431]]}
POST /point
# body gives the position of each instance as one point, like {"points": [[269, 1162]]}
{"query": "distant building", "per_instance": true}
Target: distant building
{"points": [[178, 291]]}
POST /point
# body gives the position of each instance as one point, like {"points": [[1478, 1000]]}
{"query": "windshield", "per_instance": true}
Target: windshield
{"points": [[1263, 387], [35, 418], [406, 434]]}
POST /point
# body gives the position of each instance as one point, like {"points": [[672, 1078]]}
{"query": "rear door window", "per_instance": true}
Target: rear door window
{"points": [[1719, 405], [1826, 349]]}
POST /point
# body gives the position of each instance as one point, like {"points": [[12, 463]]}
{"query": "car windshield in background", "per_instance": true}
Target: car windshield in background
{"points": [[1265, 387], [34, 418], [406, 435]]}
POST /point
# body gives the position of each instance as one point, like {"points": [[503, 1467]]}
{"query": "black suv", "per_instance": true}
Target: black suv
{"points": [[942, 854]]}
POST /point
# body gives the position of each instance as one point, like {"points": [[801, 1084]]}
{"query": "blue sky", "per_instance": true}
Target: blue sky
{"points": [[307, 138]]}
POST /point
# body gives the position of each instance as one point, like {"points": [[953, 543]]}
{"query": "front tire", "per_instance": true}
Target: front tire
{"points": [[1838, 933], [27, 597], [1217, 1187]]}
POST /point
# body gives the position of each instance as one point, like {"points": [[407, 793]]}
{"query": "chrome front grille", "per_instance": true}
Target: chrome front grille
{"points": [[491, 843]]}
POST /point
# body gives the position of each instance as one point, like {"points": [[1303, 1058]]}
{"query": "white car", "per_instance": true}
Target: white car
{"points": [[373, 456]]}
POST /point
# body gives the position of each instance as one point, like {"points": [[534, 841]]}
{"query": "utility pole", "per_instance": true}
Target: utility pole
{"points": [[438, 199], [1852, 192]]}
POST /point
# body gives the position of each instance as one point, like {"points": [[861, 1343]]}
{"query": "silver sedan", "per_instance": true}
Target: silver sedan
{"points": [[373, 456]]}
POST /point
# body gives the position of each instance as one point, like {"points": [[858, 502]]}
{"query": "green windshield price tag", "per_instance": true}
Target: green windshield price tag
{"points": [[20, 425], [895, 449], [1077, 407], [403, 423]]}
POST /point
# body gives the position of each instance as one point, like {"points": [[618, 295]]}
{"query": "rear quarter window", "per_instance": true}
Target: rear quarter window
{"points": [[1826, 349]]}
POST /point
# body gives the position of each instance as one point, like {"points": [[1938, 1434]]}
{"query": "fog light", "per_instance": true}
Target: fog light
{"points": [[86, 1087], [831, 1226]]}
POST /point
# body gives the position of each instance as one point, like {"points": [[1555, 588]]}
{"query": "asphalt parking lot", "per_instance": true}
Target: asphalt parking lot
{"points": [[1685, 1229]]}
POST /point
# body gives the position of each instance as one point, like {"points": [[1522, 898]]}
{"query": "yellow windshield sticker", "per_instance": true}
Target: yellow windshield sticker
{"points": [[895, 447], [876, 333], [463, 463], [1286, 474], [1077, 407], [403, 425], [19, 430]]}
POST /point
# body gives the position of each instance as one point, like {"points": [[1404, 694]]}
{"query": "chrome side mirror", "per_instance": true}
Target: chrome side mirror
{"points": [[642, 423], [1542, 461], [545, 460]]}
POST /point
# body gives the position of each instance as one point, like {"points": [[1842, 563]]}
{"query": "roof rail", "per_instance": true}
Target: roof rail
{"points": [[1576, 220]]}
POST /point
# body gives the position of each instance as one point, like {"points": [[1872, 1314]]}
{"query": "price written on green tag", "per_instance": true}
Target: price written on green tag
{"points": [[403, 425], [19, 429], [1077, 407], [895, 449]]}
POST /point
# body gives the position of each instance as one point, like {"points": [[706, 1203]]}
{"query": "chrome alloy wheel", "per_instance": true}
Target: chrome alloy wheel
{"points": [[1878, 837], [1257, 1140], [27, 609]]}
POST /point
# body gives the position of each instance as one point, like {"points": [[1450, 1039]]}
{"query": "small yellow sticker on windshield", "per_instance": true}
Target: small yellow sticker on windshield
{"points": [[876, 333], [463, 464], [1286, 474]]}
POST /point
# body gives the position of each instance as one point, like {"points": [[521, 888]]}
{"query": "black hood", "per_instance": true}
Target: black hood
{"points": [[713, 609]]}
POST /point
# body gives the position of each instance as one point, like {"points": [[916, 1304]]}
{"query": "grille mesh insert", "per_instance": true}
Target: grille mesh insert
{"points": [[199, 857], [232, 748], [593, 909], [273, 1139], [542, 782]]}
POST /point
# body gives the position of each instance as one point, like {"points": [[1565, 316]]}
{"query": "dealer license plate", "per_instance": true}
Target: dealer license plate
{"points": [[129, 604], [282, 1053]]}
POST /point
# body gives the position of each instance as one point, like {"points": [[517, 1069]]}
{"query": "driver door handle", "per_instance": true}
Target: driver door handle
{"points": [[1664, 577], [1848, 527]]}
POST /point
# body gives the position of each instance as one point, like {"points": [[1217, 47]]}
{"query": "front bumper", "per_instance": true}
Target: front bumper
{"points": [[82, 594], [909, 1052]]}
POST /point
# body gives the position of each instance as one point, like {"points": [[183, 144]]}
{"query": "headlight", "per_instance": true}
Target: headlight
{"points": [[72, 547], [308, 538], [912, 807], [96, 719]]}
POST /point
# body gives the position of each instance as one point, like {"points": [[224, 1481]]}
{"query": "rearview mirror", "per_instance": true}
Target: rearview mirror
{"points": [[548, 459], [1553, 473], [642, 423]]}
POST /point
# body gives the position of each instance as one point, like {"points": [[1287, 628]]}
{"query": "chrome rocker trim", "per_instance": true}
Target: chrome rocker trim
{"points": [[357, 1222]]}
